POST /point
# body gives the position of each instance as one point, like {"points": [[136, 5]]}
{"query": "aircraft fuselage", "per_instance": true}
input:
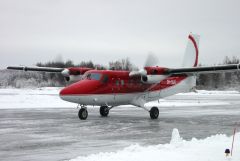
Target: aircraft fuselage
{"points": [[114, 88]]}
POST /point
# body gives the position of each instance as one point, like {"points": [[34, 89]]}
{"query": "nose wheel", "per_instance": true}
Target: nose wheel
{"points": [[154, 112], [104, 111], [83, 114]]}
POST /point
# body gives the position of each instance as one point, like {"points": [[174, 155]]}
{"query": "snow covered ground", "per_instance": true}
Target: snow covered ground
{"points": [[32, 98], [208, 149], [35, 124]]}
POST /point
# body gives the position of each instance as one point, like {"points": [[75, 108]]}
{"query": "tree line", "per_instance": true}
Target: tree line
{"points": [[20, 79], [222, 80]]}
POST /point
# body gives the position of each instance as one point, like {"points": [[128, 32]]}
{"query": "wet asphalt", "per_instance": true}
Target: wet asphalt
{"points": [[57, 134]]}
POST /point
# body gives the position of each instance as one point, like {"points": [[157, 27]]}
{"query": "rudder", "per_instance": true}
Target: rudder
{"points": [[192, 51]]}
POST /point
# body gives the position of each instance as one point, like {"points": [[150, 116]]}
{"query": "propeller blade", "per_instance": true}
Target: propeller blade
{"points": [[152, 60]]}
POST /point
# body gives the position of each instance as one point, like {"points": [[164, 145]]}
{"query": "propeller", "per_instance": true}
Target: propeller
{"points": [[152, 60], [65, 72]]}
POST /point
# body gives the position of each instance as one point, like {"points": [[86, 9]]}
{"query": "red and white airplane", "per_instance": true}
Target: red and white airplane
{"points": [[111, 88]]}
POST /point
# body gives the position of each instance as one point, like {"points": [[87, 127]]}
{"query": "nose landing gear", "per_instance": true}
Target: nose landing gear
{"points": [[83, 113]]}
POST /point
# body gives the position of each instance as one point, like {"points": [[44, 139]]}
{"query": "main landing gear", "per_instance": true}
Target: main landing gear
{"points": [[154, 112], [83, 113], [104, 111]]}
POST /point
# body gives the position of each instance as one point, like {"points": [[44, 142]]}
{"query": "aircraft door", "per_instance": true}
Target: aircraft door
{"points": [[115, 87]]}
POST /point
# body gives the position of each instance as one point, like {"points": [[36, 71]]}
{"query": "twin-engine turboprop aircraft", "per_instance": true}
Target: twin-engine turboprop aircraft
{"points": [[111, 88]]}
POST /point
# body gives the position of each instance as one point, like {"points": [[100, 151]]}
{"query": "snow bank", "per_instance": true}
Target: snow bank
{"points": [[198, 98], [47, 97], [209, 149], [204, 92], [178, 103]]}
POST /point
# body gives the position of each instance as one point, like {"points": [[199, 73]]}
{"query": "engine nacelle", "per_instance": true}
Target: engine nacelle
{"points": [[74, 74], [78, 70], [152, 79], [73, 78], [154, 75], [155, 70]]}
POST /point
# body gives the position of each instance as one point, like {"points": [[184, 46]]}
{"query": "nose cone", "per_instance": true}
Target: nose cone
{"points": [[79, 88], [79, 92], [84, 88], [66, 91]]}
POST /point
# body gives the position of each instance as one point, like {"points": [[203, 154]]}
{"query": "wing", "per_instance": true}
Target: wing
{"points": [[210, 69], [43, 69], [72, 74]]}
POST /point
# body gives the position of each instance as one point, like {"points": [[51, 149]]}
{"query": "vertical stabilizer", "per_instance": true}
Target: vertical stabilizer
{"points": [[192, 51]]}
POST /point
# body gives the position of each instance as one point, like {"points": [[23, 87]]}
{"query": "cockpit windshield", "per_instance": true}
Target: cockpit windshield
{"points": [[92, 76]]}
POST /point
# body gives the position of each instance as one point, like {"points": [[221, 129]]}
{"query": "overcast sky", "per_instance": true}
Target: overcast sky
{"points": [[107, 30]]}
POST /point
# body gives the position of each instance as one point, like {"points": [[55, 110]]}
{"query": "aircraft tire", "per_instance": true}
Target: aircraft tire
{"points": [[104, 111], [154, 112], [83, 114]]}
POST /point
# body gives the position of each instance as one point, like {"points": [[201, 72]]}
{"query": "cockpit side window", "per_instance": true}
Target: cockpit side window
{"points": [[88, 76], [93, 76]]}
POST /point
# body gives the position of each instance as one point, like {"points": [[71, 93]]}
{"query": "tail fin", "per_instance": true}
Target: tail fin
{"points": [[191, 53]]}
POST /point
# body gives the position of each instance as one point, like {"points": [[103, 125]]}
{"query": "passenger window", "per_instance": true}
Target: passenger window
{"points": [[117, 82], [154, 71], [105, 79], [122, 82]]}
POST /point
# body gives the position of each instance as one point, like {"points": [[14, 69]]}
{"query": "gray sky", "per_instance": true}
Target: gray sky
{"points": [[106, 30]]}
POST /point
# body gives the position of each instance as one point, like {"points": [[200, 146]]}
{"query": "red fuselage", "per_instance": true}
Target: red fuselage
{"points": [[110, 82]]}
